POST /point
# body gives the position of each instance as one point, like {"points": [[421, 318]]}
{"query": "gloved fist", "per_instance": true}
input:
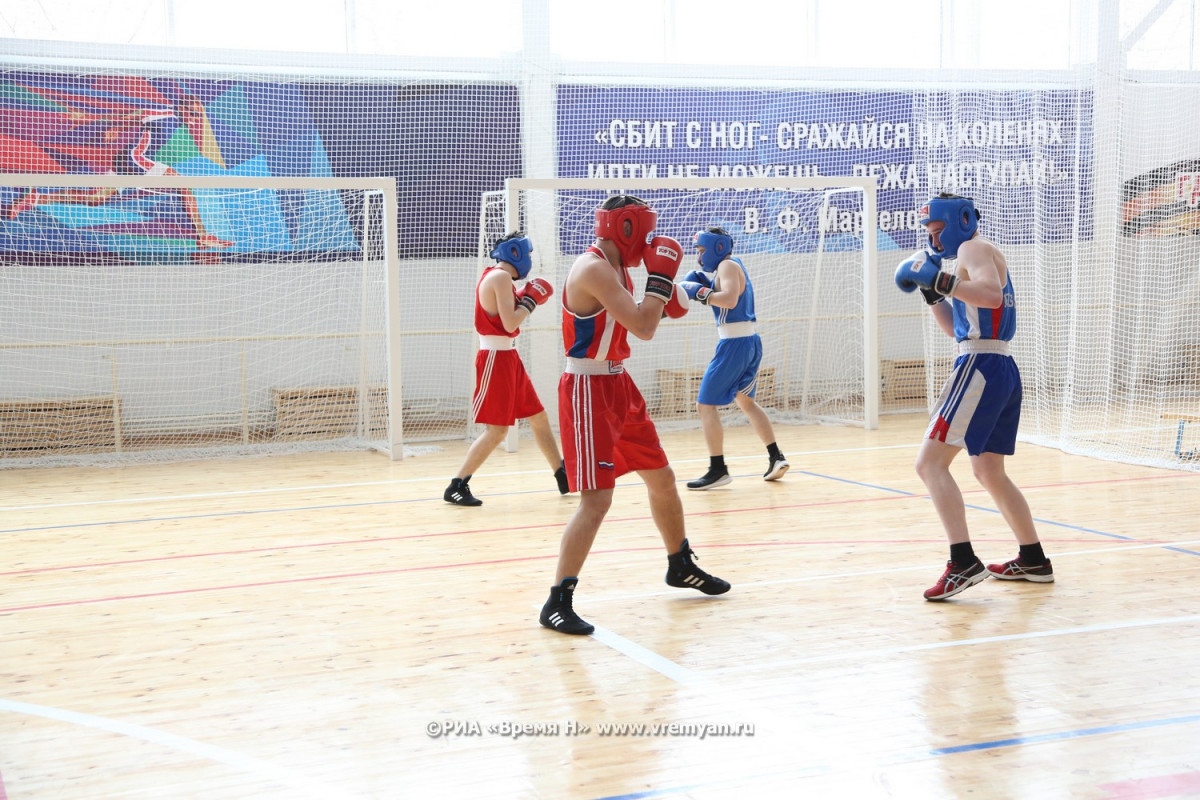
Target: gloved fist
{"points": [[924, 270], [697, 291], [662, 258], [535, 292], [677, 306]]}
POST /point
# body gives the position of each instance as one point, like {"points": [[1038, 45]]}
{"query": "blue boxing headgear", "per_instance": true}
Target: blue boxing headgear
{"points": [[717, 247], [515, 250], [960, 216]]}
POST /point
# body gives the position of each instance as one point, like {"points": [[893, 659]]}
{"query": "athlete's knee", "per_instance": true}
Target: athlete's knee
{"points": [[660, 480], [988, 469], [495, 432], [928, 468], [595, 502]]}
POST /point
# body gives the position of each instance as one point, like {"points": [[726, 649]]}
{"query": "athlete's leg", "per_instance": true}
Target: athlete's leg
{"points": [[540, 425], [710, 423], [581, 531], [989, 471], [204, 239], [33, 198], [758, 418], [665, 506], [481, 448], [933, 467]]}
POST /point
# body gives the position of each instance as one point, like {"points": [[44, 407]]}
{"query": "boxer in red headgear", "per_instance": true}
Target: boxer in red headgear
{"points": [[626, 226], [604, 426]]}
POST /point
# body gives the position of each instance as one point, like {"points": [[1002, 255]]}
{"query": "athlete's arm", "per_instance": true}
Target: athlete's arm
{"points": [[496, 297], [978, 275], [727, 286], [944, 317], [594, 283]]}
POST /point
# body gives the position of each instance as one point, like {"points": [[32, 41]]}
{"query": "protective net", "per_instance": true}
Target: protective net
{"points": [[145, 321], [1075, 136], [802, 247]]}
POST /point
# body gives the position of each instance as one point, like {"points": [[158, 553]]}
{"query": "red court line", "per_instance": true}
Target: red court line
{"points": [[261, 584], [1183, 784], [399, 538], [890, 497], [464, 564]]}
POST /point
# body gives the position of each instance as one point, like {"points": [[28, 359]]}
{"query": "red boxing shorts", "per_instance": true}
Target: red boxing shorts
{"points": [[503, 391], [606, 431]]}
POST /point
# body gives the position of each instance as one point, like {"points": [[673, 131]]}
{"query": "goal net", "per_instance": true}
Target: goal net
{"points": [[150, 318], [813, 271]]}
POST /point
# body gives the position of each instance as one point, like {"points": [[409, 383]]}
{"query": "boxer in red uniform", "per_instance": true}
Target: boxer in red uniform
{"points": [[605, 429], [503, 391]]}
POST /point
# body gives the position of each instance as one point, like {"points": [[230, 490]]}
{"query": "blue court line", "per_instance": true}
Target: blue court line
{"points": [[1063, 735], [908, 756], [1068, 526], [859, 483], [366, 504]]}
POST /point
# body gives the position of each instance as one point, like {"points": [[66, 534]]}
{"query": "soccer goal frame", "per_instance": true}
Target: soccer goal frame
{"points": [[544, 233], [383, 247]]}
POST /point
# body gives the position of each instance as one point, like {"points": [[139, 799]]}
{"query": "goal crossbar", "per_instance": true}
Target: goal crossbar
{"points": [[381, 187], [867, 185]]}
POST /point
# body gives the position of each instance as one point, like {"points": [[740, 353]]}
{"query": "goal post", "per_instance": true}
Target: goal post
{"points": [[168, 317], [813, 264]]}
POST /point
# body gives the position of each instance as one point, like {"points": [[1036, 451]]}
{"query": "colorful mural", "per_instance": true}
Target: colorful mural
{"points": [[147, 126]]}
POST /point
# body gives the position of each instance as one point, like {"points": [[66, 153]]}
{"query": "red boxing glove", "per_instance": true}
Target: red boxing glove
{"points": [[535, 292], [662, 258], [677, 306]]}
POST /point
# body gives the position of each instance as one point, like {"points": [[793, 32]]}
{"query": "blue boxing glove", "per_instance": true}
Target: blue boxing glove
{"points": [[696, 291], [700, 277], [923, 270]]}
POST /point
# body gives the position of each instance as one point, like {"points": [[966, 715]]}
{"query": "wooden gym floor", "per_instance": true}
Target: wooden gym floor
{"points": [[325, 626]]}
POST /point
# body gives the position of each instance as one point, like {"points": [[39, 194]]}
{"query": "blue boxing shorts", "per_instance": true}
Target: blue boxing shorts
{"points": [[980, 406], [733, 369]]}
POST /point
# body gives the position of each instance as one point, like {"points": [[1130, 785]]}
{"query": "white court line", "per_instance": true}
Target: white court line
{"points": [[871, 655], [890, 571], [683, 675], [263, 770], [648, 658], [210, 495], [393, 482], [680, 674]]}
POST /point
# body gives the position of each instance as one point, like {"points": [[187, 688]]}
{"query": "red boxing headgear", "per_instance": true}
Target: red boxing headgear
{"points": [[610, 224]]}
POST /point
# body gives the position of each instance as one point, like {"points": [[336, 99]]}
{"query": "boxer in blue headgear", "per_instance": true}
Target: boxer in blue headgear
{"points": [[723, 285], [504, 393], [515, 250], [713, 246], [979, 409], [959, 218]]}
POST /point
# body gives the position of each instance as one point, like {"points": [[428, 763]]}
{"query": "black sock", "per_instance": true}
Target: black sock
{"points": [[773, 451], [962, 554], [717, 464], [1032, 554], [456, 482]]}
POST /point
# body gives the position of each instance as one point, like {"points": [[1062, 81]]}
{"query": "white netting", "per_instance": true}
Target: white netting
{"points": [[803, 249], [134, 332], [1108, 305], [1075, 135]]}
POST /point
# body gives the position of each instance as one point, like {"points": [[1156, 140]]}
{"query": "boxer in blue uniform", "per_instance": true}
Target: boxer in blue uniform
{"points": [[732, 376], [980, 405]]}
